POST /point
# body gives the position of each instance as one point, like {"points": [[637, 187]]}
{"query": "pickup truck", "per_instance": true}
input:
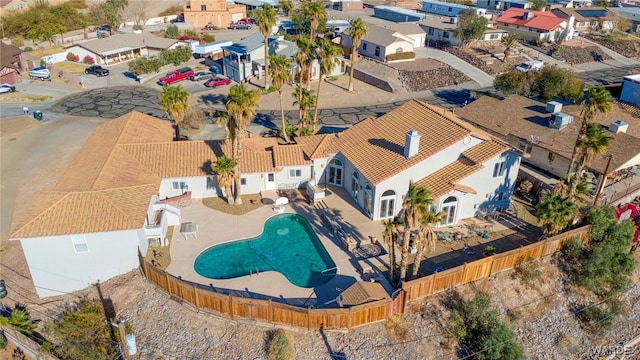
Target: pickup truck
{"points": [[176, 75], [97, 70]]}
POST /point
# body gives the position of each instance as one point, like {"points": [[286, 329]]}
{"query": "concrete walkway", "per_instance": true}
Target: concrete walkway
{"points": [[483, 79]]}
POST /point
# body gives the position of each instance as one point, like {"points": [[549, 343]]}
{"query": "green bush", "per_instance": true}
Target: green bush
{"points": [[598, 320], [280, 346], [208, 38], [489, 250], [21, 321], [479, 329], [528, 270], [17, 42], [172, 32], [176, 56], [138, 27], [3, 340], [401, 56]]}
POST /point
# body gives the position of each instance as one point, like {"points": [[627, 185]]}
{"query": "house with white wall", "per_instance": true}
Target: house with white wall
{"points": [[529, 24], [120, 192], [380, 42]]}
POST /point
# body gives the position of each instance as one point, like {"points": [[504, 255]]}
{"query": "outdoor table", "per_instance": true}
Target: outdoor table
{"points": [[371, 249], [189, 228]]}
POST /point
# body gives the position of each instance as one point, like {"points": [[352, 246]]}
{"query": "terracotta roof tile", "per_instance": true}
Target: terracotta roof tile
{"points": [[484, 151], [173, 159], [258, 162], [542, 20], [445, 179], [289, 155]]}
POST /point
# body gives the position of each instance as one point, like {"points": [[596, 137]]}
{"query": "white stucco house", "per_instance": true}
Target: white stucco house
{"points": [[380, 42], [118, 194]]}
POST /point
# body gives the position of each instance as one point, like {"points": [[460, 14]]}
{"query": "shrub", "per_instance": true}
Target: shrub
{"points": [[172, 32], [208, 38], [73, 57], [21, 321], [138, 27], [598, 320], [528, 270], [176, 56], [280, 347], [396, 327], [489, 250], [401, 56], [17, 42], [191, 34], [28, 48], [3, 341], [88, 60]]}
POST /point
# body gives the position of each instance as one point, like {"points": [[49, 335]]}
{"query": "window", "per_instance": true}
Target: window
{"points": [[499, 169], [178, 185], [355, 183], [243, 181], [398, 50], [270, 177], [377, 51], [387, 204], [503, 195], [450, 9], [430, 31], [525, 146], [445, 35], [203, 7], [335, 172], [79, 243], [364, 46], [295, 173], [494, 36]]}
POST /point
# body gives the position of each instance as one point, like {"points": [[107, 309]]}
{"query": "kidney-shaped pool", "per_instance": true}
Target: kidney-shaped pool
{"points": [[287, 245]]}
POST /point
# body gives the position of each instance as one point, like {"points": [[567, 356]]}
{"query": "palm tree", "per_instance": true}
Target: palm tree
{"points": [[241, 107], [390, 235], [563, 186], [224, 169], [266, 18], [426, 239], [175, 101], [304, 58], [326, 53], [356, 32], [305, 99], [314, 11], [414, 209], [286, 6], [281, 73], [595, 141], [508, 42], [597, 100], [555, 211]]}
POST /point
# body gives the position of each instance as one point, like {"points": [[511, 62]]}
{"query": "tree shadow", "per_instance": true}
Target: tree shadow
{"points": [[335, 355]]}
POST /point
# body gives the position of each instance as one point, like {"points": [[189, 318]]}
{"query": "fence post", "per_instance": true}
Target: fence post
{"points": [[308, 318], [231, 306], [197, 297], [166, 276]]}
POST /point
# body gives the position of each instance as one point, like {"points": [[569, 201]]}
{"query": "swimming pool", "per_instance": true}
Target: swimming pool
{"points": [[287, 245]]}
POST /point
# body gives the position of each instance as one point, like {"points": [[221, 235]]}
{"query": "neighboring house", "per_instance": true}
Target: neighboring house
{"points": [[122, 47], [533, 127], [218, 13], [588, 19], [381, 42], [448, 9], [630, 13], [245, 59], [503, 5], [250, 4], [631, 89], [348, 5], [443, 30], [10, 64], [9, 6], [531, 24], [396, 14], [413, 31], [116, 196]]}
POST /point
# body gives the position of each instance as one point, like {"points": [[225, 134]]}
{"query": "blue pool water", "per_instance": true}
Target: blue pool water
{"points": [[287, 245]]}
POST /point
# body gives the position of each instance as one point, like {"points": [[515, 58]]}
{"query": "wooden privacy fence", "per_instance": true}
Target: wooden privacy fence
{"points": [[233, 307], [485, 267]]}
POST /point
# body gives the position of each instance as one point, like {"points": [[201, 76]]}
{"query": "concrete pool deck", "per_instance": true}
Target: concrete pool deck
{"points": [[215, 227]]}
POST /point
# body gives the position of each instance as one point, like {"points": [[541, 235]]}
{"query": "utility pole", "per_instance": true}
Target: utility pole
{"points": [[603, 181]]}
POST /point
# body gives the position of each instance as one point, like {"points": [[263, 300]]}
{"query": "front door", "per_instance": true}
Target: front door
{"points": [[270, 184]]}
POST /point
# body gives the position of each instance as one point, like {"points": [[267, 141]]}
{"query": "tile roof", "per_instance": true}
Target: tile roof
{"points": [[109, 184], [289, 155], [121, 42], [522, 117], [542, 20], [363, 292]]}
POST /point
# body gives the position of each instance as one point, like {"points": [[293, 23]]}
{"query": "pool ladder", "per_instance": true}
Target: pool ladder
{"points": [[333, 268], [252, 273]]}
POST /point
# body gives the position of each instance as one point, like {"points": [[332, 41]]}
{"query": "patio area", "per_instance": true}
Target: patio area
{"points": [[352, 240]]}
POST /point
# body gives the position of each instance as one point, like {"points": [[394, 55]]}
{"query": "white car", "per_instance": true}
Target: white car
{"points": [[6, 88], [533, 65]]}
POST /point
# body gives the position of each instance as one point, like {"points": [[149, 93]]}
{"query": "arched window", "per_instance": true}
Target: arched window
{"points": [[387, 204], [354, 185], [335, 172], [398, 50]]}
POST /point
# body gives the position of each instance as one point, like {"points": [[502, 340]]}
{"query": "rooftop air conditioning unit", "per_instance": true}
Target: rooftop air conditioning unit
{"points": [[554, 107], [560, 120], [618, 126]]}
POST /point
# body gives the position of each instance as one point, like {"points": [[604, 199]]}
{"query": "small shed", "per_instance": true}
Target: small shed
{"points": [[397, 14], [362, 292]]}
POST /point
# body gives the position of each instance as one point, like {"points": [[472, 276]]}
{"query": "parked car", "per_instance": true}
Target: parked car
{"points": [[246, 21], [240, 26], [97, 70], [533, 65], [6, 88], [176, 75], [218, 80], [201, 75]]}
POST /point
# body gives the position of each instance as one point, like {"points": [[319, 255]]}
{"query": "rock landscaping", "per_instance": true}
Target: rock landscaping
{"points": [[486, 59], [579, 54], [629, 48]]}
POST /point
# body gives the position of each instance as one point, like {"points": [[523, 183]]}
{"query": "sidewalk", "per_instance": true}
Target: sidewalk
{"points": [[477, 75]]}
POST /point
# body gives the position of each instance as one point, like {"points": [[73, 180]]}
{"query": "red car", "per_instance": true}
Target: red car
{"points": [[176, 75], [218, 80]]}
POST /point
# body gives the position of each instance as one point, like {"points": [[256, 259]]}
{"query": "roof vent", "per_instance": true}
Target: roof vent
{"points": [[554, 107], [528, 15], [618, 126], [411, 143], [560, 120]]}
